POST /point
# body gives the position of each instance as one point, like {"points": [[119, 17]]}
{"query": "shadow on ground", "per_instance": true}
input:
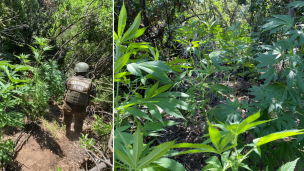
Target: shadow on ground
{"points": [[46, 141]]}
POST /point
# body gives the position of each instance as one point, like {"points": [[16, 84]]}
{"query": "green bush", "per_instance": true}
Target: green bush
{"points": [[144, 83], [12, 85], [100, 128], [47, 81]]}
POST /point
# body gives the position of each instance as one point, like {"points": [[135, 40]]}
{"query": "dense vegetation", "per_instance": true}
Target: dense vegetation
{"points": [[40, 43], [186, 59]]}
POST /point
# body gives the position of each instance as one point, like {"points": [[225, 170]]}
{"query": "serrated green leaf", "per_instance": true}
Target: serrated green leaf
{"points": [[214, 162], [121, 62], [168, 108], [133, 28], [137, 112], [278, 135], [137, 146], [200, 148], [219, 88], [290, 166], [296, 4], [155, 154], [170, 164], [215, 58], [279, 20], [172, 94], [124, 158], [162, 89], [156, 72], [151, 91], [215, 137], [245, 166], [23, 68], [122, 20], [134, 35], [174, 102], [154, 111], [133, 68], [158, 126]]}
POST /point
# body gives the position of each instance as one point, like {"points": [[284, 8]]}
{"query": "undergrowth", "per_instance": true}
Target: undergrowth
{"points": [[147, 79]]}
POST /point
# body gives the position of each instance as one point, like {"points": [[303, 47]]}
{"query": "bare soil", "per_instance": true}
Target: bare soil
{"points": [[43, 152], [47, 148]]}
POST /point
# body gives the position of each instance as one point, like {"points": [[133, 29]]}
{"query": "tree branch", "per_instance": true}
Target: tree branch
{"points": [[69, 26], [221, 16], [233, 15], [89, 6], [228, 9], [97, 48], [85, 27], [191, 17]]}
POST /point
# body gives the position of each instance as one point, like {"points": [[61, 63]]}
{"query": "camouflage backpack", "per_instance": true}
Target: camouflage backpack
{"points": [[78, 92]]}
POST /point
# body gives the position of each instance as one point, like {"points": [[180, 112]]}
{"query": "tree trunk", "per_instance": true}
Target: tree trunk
{"points": [[143, 6], [291, 11]]}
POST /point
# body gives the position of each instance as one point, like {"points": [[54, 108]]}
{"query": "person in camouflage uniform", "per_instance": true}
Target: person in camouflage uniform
{"points": [[79, 93]]}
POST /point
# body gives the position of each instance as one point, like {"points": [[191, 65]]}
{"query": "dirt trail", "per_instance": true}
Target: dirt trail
{"points": [[41, 151], [48, 148]]}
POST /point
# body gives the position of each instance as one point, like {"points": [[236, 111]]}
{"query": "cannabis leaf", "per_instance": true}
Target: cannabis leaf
{"points": [[296, 4], [278, 22], [296, 35]]}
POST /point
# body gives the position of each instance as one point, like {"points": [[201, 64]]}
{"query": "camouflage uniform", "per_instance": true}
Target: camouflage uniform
{"points": [[78, 82]]}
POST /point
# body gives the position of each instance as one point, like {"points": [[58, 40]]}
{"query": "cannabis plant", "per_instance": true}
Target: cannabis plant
{"points": [[225, 144], [47, 81], [100, 128], [142, 89], [144, 70], [140, 156], [11, 85], [281, 66]]}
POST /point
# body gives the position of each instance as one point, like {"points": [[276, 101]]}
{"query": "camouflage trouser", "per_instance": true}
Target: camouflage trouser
{"points": [[80, 114]]}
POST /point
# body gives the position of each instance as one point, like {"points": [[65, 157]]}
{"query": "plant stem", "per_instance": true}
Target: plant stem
{"points": [[117, 117], [243, 158], [235, 150], [228, 162]]}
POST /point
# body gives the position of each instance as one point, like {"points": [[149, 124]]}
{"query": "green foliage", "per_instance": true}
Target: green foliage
{"points": [[278, 22], [223, 141], [46, 82], [101, 128], [296, 4], [104, 90], [141, 156], [244, 40], [12, 84], [135, 70], [290, 166], [40, 42], [155, 70], [87, 143], [6, 149], [77, 30], [85, 28]]}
